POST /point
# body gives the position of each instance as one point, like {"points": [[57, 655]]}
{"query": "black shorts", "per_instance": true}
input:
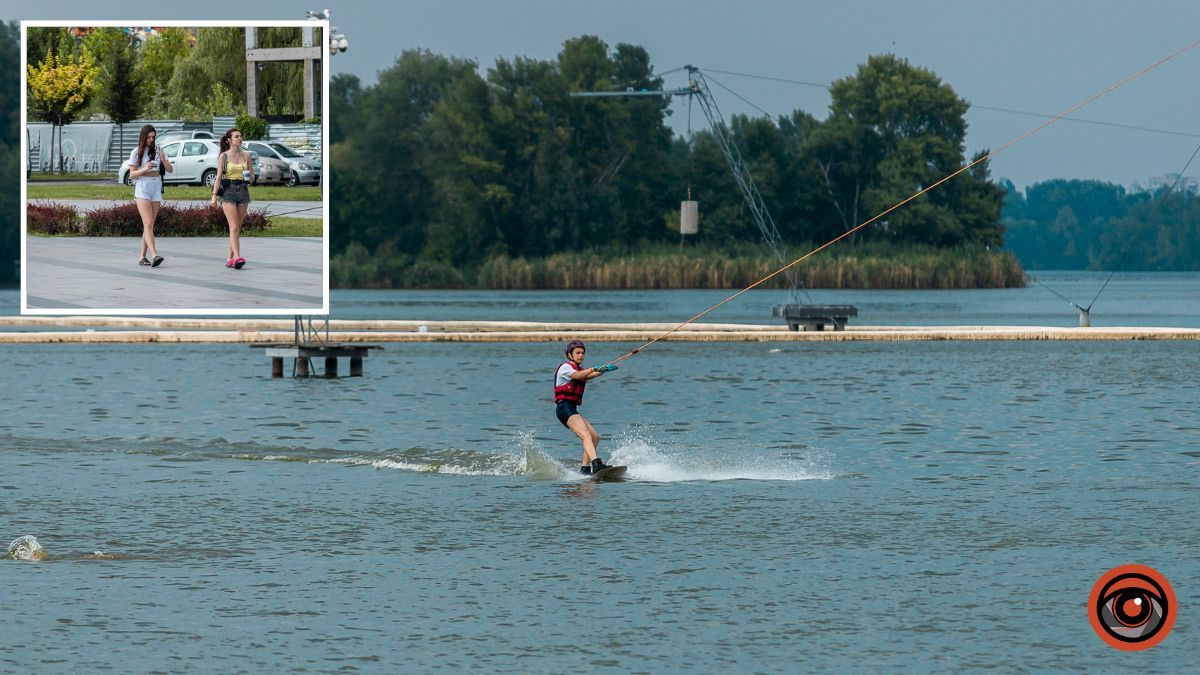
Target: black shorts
{"points": [[236, 192], [564, 411]]}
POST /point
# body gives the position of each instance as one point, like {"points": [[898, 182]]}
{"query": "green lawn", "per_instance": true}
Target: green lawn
{"points": [[308, 193], [291, 227]]}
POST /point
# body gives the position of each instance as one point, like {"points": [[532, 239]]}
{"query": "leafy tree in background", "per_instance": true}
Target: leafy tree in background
{"points": [[344, 91], [160, 53], [122, 98], [914, 135], [388, 211], [1058, 224], [510, 164], [61, 86], [211, 79]]}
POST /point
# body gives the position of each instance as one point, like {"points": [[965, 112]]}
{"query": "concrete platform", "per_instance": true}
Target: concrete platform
{"points": [[101, 273]]}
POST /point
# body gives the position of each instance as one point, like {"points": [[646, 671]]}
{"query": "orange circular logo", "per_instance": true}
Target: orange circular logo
{"points": [[1132, 607]]}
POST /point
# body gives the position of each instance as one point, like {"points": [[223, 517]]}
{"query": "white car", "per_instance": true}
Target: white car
{"points": [[172, 136], [194, 161]]}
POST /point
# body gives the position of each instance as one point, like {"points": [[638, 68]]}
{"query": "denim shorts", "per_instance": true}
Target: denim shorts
{"points": [[236, 192]]}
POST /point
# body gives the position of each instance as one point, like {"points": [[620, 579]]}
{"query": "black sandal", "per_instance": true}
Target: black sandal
{"points": [[157, 261], [144, 261]]}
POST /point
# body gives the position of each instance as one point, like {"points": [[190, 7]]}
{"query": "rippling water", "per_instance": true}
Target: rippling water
{"points": [[791, 506]]}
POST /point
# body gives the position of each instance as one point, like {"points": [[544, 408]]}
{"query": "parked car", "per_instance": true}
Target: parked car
{"points": [[169, 136], [271, 171], [195, 162], [305, 168]]}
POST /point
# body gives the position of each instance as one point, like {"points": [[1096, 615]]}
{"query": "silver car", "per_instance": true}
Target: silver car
{"points": [[305, 169], [194, 161], [268, 171]]}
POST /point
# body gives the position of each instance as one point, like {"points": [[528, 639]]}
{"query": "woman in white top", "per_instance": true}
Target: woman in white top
{"points": [[147, 191]]}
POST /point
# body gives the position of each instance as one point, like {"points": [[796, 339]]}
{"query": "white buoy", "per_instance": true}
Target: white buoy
{"points": [[689, 217], [1085, 318]]}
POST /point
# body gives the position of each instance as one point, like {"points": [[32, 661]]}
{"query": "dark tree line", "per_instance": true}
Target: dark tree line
{"points": [[10, 149], [1087, 224], [438, 161]]}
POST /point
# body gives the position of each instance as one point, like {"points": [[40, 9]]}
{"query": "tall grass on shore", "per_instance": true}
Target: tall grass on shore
{"points": [[662, 267]]}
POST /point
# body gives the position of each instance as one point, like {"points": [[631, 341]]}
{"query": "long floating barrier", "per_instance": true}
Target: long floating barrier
{"points": [[235, 331]]}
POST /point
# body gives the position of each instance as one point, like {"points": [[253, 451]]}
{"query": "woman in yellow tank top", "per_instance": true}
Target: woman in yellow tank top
{"points": [[235, 173]]}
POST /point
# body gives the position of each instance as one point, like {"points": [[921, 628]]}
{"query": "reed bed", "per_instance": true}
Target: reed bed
{"points": [[668, 267]]}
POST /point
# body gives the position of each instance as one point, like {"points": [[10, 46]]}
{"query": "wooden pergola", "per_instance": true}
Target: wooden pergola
{"points": [[308, 54]]}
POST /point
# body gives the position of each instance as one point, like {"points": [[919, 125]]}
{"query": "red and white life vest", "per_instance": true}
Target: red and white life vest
{"points": [[572, 391]]}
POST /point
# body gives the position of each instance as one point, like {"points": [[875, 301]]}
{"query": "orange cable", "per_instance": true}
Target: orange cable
{"points": [[921, 192]]}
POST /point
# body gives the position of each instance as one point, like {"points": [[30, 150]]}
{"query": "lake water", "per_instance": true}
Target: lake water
{"points": [[791, 506]]}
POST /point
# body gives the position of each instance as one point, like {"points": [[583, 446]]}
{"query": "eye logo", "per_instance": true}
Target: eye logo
{"points": [[1132, 607]]}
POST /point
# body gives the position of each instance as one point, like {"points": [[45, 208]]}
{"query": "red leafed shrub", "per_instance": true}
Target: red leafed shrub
{"points": [[123, 220], [51, 218]]}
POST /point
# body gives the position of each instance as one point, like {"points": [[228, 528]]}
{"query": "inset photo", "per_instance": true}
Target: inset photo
{"points": [[175, 168]]}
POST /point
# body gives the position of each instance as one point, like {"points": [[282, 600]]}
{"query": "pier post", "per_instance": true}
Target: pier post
{"points": [[356, 366], [330, 366], [276, 366], [302, 366]]}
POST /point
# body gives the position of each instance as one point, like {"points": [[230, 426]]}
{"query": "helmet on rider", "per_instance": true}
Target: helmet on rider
{"points": [[573, 344]]}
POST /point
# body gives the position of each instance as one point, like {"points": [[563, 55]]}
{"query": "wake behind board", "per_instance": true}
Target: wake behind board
{"points": [[609, 473]]}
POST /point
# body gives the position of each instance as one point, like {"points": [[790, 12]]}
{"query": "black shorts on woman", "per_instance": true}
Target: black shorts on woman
{"points": [[565, 410], [235, 191]]}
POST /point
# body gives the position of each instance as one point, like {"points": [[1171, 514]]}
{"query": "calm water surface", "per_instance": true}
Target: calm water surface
{"points": [[792, 507]]}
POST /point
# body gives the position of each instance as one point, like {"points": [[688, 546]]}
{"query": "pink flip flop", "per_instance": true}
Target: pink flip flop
{"points": [[239, 263]]}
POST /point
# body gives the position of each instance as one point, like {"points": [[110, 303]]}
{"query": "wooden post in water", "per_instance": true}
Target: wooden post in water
{"points": [[304, 353]]}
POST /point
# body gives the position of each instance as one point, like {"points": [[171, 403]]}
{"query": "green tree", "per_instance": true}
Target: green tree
{"points": [[389, 210], [160, 53], [61, 87], [344, 91], [10, 159], [914, 132], [122, 96]]}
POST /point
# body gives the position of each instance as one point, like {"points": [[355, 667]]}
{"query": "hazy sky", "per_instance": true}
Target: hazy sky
{"points": [[1036, 56]]}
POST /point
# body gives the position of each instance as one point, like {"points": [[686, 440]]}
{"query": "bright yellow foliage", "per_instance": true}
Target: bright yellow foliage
{"points": [[63, 86]]}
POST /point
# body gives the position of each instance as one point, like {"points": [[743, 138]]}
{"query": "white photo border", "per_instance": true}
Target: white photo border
{"points": [[182, 23]]}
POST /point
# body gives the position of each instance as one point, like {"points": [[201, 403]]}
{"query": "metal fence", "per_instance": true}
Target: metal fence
{"points": [[101, 147], [305, 138]]}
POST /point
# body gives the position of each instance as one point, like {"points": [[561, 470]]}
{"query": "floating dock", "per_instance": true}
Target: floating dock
{"points": [[133, 330]]}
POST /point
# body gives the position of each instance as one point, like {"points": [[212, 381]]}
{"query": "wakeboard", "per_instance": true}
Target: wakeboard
{"points": [[609, 473]]}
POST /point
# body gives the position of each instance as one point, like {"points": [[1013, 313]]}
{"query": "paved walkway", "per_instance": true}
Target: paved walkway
{"points": [[101, 273], [273, 208]]}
